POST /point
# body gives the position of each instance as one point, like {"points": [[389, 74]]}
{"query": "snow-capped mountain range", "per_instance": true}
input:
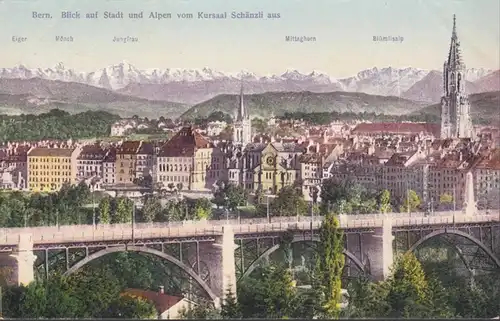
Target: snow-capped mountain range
{"points": [[195, 85]]}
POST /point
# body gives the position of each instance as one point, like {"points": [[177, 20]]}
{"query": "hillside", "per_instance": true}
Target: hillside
{"points": [[281, 102], [490, 82], [38, 95], [485, 108], [430, 88]]}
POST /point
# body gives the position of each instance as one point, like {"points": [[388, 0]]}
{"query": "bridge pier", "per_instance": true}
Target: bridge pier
{"points": [[18, 266], [379, 250], [220, 261]]}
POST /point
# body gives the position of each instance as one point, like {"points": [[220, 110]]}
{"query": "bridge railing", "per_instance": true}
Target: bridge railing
{"points": [[163, 230], [286, 219]]}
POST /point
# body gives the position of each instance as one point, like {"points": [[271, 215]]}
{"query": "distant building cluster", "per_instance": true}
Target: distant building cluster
{"points": [[431, 159]]}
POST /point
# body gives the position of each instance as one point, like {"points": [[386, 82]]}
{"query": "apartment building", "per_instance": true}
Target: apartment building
{"points": [[146, 160], [89, 162], [126, 161], [189, 161], [109, 166], [50, 168]]}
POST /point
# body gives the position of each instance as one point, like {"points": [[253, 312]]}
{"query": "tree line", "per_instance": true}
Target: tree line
{"points": [[78, 205], [324, 118], [56, 124]]}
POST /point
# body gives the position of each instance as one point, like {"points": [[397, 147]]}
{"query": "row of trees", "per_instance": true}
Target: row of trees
{"points": [[328, 117], [121, 209], [56, 124], [18, 209], [74, 205]]}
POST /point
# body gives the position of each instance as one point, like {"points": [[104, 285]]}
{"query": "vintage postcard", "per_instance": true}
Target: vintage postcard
{"points": [[245, 159]]}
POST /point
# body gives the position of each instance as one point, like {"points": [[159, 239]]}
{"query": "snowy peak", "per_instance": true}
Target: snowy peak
{"points": [[379, 81]]}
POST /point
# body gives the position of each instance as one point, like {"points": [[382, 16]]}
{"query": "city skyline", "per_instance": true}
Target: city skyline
{"points": [[341, 50]]}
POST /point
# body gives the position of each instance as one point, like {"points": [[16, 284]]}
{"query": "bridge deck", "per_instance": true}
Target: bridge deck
{"points": [[175, 230]]}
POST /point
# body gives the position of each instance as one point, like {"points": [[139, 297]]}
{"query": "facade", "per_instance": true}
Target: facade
{"points": [[146, 159], [89, 162], [311, 171], [455, 108], [242, 132], [15, 165], [109, 167], [50, 168], [126, 161], [189, 161]]}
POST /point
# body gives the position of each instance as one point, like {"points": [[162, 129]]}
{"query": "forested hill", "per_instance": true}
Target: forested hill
{"points": [[56, 124]]}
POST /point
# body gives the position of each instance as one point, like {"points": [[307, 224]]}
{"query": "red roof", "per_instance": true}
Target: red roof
{"points": [[184, 144], [161, 301], [398, 128]]}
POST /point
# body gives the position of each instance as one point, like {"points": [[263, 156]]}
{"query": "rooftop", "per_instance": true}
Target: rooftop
{"points": [[50, 152]]}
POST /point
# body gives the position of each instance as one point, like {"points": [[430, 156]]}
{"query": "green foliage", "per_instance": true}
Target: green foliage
{"points": [[230, 309], [215, 116], [56, 124], [411, 203], [123, 210], [346, 197], [330, 263], [130, 307], [104, 210], [19, 209], [230, 196], [289, 202], [269, 293], [201, 311], [384, 202], [324, 118], [152, 209]]}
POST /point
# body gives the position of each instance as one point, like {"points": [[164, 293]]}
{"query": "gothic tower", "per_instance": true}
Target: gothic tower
{"points": [[242, 133], [455, 107]]}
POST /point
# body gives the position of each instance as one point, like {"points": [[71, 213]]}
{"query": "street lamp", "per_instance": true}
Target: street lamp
{"points": [[92, 186], [226, 209], [133, 222]]}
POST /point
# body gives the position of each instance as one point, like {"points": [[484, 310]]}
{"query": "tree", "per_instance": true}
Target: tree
{"points": [[201, 311], [96, 289], [411, 202], [48, 299], [269, 293], [132, 308], [123, 210], [230, 308], [384, 202], [230, 196], [202, 209], [56, 124], [289, 202], [445, 200], [330, 263], [151, 210], [104, 211], [346, 197], [408, 288]]}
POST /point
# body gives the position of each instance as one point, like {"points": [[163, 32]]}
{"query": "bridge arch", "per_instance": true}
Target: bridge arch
{"points": [[273, 249], [143, 249], [459, 233]]}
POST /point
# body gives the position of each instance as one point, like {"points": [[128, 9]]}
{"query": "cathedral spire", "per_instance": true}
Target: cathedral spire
{"points": [[454, 32], [454, 57]]}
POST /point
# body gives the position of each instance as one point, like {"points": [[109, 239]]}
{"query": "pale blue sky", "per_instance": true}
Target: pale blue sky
{"points": [[344, 30]]}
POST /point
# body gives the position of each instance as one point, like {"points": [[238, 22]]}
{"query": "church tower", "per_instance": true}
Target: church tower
{"points": [[455, 108], [242, 133]]}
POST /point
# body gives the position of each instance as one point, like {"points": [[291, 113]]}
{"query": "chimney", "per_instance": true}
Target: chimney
{"points": [[161, 289]]}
